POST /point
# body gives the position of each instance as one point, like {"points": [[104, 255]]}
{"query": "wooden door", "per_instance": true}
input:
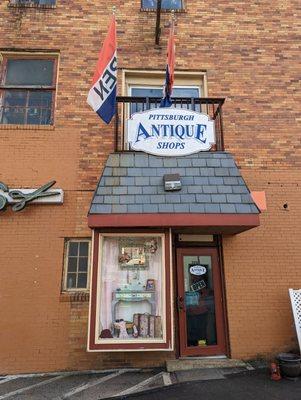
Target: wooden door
{"points": [[200, 303]]}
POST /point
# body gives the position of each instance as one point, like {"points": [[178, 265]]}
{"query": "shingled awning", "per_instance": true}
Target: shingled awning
{"points": [[214, 196]]}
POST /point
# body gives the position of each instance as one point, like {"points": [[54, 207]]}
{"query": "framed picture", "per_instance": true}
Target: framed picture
{"points": [[150, 284], [132, 254]]}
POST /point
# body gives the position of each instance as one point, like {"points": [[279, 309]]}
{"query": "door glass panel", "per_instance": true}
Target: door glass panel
{"points": [[199, 301]]}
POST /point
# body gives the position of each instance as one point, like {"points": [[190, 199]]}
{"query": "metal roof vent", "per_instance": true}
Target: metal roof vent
{"points": [[172, 182]]}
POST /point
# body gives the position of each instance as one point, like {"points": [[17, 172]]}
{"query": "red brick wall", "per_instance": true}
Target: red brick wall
{"points": [[250, 54]]}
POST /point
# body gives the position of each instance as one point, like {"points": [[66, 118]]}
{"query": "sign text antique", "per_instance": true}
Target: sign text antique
{"points": [[170, 132]]}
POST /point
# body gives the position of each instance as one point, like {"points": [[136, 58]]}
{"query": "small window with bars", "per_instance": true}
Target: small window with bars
{"points": [[32, 3], [27, 90], [77, 264]]}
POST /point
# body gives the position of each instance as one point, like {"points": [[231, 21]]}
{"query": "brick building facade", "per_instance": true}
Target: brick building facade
{"points": [[248, 54]]}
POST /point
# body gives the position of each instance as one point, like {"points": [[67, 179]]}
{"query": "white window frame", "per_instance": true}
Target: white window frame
{"points": [[163, 294], [156, 78], [96, 344], [66, 257]]}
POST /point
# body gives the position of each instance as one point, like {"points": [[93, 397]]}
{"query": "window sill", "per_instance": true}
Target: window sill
{"points": [[14, 127], [178, 11], [74, 297], [26, 5]]}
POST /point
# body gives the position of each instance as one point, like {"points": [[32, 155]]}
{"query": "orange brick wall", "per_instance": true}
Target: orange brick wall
{"points": [[260, 266], [250, 52]]}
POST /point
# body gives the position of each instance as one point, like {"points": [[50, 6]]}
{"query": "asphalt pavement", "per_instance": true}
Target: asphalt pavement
{"points": [[247, 385], [243, 383]]}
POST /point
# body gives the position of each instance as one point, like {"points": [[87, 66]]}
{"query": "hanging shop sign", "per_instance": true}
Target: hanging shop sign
{"points": [[19, 198], [170, 132], [198, 270]]}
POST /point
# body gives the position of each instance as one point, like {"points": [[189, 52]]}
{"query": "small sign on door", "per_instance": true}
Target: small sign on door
{"points": [[198, 269], [196, 286]]}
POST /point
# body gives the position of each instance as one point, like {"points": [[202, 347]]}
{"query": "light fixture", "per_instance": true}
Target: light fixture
{"points": [[172, 182]]}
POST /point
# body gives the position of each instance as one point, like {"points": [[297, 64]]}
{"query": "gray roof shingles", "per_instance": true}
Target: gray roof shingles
{"points": [[133, 183]]}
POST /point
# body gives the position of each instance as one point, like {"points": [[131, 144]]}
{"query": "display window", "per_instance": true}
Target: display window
{"points": [[130, 294]]}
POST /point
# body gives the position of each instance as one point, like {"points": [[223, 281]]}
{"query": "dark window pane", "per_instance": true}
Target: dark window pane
{"points": [[14, 115], [73, 248], [166, 4], [36, 2], [29, 72], [83, 264], [171, 4], [72, 264], [35, 98], [46, 98], [15, 98], [33, 116], [71, 281], [82, 281], [46, 116], [83, 249], [40, 98], [147, 92], [47, 2], [186, 92]]}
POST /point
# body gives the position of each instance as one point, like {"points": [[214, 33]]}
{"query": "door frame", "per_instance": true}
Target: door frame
{"points": [[221, 347]]}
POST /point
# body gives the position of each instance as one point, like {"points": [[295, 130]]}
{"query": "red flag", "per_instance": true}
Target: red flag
{"points": [[170, 68], [102, 95]]}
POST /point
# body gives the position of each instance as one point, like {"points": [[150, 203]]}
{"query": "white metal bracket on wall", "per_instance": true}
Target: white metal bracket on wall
{"points": [[295, 296]]}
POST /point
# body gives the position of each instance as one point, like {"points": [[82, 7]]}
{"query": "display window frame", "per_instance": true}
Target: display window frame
{"points": [[95, 343]]}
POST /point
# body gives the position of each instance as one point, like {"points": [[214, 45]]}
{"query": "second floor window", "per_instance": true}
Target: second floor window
{"points": [[27, 91], [165, 4], [32, 2]]}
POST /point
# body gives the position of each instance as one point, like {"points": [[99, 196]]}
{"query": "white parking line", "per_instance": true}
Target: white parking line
{"points": [[166, 379], [9, 378], [94, 382], [10, 394], [140, 385]]}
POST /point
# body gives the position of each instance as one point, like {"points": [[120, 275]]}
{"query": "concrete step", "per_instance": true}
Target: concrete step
{"points": [[191, 363]]}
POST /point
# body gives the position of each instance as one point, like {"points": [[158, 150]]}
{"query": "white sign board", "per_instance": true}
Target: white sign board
{"points": [[198, 270], [170, 132]]}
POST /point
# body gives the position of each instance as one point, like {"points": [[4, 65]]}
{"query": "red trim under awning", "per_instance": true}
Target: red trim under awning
{"points": [[213, 223]]}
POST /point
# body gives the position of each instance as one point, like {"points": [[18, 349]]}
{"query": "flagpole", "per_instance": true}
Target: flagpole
{"points": [[169, 73]]}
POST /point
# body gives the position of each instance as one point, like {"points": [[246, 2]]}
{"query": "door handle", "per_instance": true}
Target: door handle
{"points": [[180, 303]]}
